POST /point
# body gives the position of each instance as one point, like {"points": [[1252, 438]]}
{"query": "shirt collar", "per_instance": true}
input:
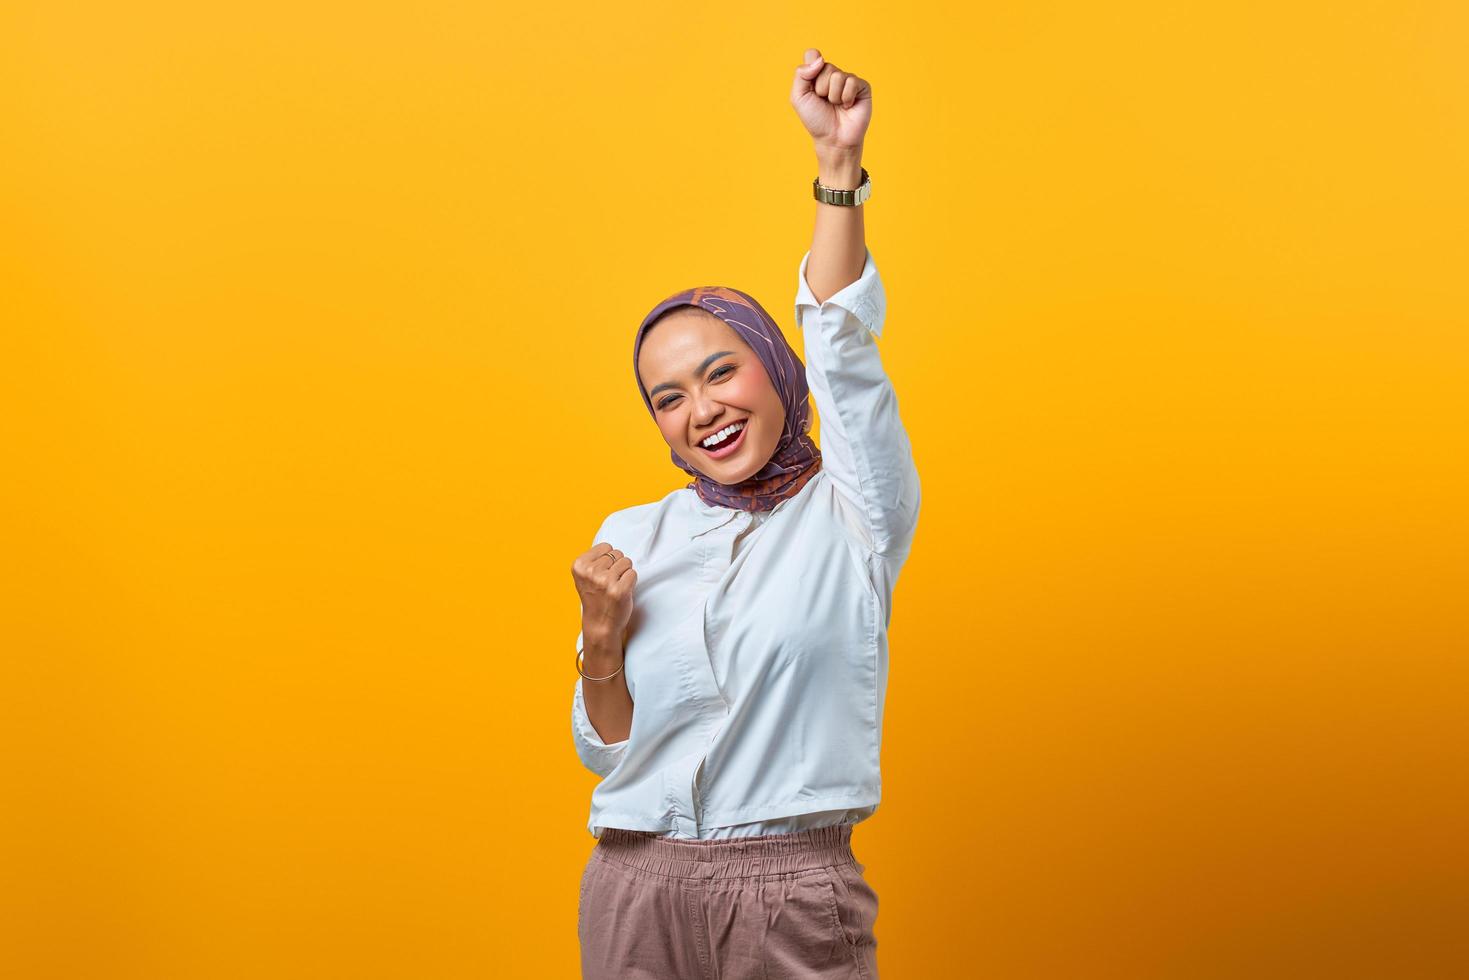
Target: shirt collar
{"points": [[708, 517]]}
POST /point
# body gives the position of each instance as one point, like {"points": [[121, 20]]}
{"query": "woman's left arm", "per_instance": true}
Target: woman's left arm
{"points": [[840, 306], [835, 107]]}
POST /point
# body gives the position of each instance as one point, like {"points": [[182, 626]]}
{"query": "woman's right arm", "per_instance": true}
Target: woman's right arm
{"points": [[608, 703], [601, 713]]}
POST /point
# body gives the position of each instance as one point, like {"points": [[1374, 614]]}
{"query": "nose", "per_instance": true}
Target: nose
{"points": [[706, 410]]}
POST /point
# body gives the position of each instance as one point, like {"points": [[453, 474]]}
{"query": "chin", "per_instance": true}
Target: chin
{"points": [[728, 476], [742, 474]]}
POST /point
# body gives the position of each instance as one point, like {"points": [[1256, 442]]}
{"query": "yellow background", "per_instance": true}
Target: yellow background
{"points": [[316, 367]]}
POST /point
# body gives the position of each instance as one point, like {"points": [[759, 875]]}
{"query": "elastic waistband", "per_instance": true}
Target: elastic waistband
{"points": [[728, 857]]}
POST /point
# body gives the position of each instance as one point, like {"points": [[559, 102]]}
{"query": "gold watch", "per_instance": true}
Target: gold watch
{"points": [[845, 198]]}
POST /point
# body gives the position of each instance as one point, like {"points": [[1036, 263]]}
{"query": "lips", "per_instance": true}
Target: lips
{"points": [[729, 446]]}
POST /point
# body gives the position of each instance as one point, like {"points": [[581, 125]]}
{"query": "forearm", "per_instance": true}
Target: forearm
{"points": [[839, 243], [608, 703]]}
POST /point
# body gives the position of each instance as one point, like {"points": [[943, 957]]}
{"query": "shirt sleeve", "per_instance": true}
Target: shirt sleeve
{"points": [[864, 447]]}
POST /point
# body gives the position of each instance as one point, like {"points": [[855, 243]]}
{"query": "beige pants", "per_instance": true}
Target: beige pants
{"points": [[745, 908]]}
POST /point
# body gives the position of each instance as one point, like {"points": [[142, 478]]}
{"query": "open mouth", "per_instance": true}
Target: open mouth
{"points": [[730, 445]]}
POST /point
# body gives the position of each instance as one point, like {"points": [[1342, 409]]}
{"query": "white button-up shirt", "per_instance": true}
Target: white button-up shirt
{"points": [[757, 653]]}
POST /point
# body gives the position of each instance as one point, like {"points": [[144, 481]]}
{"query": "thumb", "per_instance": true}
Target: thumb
{"points": [[806, 73]]}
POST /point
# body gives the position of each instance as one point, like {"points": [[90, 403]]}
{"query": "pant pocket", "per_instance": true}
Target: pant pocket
{"points": [[581, 897], [856, 906]]}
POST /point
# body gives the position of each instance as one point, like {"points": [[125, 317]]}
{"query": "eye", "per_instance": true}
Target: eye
{"points": [[719, 374]]}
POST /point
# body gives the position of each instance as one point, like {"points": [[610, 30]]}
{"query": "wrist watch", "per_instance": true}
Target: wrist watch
{"points": [[845, 198]]}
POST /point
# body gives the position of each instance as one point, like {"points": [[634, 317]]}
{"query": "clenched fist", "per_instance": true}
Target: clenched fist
{"points": [[835, 106], [605, 579]]}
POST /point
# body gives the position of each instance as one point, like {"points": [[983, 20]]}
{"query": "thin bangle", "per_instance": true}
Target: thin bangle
{"points": [[591, 678]]}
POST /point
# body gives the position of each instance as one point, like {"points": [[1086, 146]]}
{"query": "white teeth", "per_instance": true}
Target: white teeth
{"points": [[722, 435]]}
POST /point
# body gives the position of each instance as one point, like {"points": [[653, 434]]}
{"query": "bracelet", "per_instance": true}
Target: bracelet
{"points": [[589, 677]]}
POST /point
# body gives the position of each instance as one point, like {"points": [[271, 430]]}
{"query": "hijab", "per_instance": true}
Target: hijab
{"points": [[796, 458]]}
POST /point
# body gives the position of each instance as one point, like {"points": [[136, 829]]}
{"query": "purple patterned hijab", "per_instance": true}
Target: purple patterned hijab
{"points": [[796, 458]]}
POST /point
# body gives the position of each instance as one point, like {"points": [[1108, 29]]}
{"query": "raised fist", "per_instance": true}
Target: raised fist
{"points": [[605, 579], [835, 106]]}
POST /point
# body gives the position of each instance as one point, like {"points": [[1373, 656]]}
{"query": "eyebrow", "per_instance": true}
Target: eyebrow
{"points": [[697, 371]]}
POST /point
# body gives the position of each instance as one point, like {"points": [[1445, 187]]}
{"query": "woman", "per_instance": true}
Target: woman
{"points": [[746, 616]]}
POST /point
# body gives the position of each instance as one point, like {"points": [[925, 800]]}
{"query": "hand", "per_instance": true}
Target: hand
{"points": [[834, 106], [605, 580]]}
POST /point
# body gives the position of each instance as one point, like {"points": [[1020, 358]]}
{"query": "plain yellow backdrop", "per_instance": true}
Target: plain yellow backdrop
{"points": [[316, 376]]}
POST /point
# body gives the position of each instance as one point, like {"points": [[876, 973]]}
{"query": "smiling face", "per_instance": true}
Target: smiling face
{"points": [[701, 378]]}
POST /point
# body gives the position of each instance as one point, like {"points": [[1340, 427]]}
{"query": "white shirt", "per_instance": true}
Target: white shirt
{"points": [[757, 654]]}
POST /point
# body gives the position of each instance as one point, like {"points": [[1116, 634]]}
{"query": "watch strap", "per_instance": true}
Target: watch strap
{"points": [[845, 197]]}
